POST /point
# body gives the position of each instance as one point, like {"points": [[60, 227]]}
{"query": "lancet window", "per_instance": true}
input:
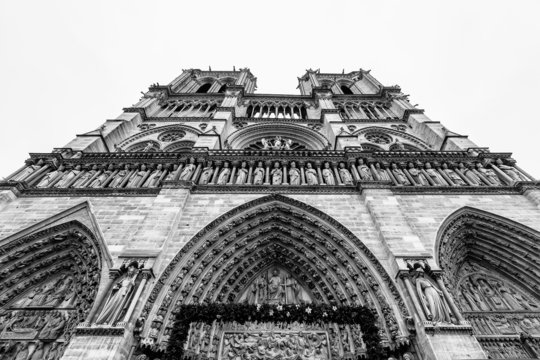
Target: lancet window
{"points": [[366, 110], [278, 110], [188, 109]]}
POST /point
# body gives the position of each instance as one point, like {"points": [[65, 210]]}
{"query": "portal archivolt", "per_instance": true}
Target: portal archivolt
{"points": [[318, 254]]}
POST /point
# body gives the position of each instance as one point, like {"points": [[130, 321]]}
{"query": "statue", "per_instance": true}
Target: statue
{"points": [[206, 175], [345, 174], [456, 179], [53, 327], [137, 177], [489, 174], [417, 175], [288, 144], [328, 175], [149, 147], [170, 176], [119, 177], [39, 352], [67, 177], [224, 174], [510, 171], [256, 294], [277, 174], [47, 179], [120, 296], [400, 175], [277, 143], [364, 171], [510, 300], [85, 177], [155, 176], [118, 148], [258, 174], [293, 289], [275, 288], [242, 174], [469, 173], [383, 175], [434, 175], [27, 171], [266, 145], [432, 299], [398, 145], [294, 174], [311, 175], [186, 173]]}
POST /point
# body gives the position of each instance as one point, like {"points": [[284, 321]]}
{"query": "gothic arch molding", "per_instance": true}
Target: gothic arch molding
{"points": [[153, 134], [311, 139], [409, 141], [49, 281], [218, 263]]}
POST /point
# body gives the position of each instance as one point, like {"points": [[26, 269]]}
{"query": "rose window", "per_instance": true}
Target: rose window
{"points": [[172, 135], [378, 138]]}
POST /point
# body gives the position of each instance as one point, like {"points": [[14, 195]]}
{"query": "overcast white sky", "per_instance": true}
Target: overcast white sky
{"points": [[67, 66]]}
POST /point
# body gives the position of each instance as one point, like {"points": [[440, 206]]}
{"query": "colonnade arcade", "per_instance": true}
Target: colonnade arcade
{"points": [[491, 266], [279, 241]]}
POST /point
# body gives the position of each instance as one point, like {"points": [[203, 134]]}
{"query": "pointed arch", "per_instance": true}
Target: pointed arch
{"points": [[218, 263], [49, 279], [491, 265]]}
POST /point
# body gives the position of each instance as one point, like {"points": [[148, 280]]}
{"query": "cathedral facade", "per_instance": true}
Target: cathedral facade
{"points": [[208, 221]]}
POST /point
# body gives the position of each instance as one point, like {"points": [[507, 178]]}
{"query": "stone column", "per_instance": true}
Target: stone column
{"points": [[353, 169], [179, 171], [374, 171], [336, 173], [319, 173], [197, 172], [448, 298], [406, 277], [233, 172], [268, 163], [284, 168], [250, 172], [216, 172], [301, 165], [145, 276], [502, 175]]}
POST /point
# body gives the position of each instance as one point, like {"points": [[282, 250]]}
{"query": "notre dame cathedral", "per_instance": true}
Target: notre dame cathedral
{"points": [[208, 221]]}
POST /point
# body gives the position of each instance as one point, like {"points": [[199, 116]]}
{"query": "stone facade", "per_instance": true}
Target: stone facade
{"points": [[205, 192]]}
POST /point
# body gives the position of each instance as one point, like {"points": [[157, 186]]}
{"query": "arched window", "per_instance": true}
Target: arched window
{"points": [[346, 90], [222, 88], [203, 89]]}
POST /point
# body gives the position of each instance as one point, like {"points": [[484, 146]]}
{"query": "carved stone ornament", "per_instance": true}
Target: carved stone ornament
{"points": [[48, 282]]}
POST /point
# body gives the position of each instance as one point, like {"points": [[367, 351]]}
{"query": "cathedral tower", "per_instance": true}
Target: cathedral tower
{"points": [[208, 221]]}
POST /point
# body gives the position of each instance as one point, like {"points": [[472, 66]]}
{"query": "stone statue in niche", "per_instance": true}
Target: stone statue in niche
{"points": [[86, 176], [137, 177], [155, 176], [398, 145], [418, 177], [276, 290], [470, 174], [120, 297], [294, 174], [149, 147], [242, 174], [119, 177], [98, 182], [277, 174], [258, 174], [489, 174], [23, 174], [328, 175], [383, 175], [257, 291], [67, 177], [187, 172], [170, 175], [224, 174], [399, 175], [345, 174], [456, 179], [47, 179], [431, 299], [311, 175], [364, 171], [206, 174], [434, 175], [510, 171]]}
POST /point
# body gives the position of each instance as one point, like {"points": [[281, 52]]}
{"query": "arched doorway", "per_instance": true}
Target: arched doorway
{"points": [[271, 241], [48, 283], [492, 266]]}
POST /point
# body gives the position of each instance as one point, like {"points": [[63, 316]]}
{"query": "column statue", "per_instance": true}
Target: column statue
{"points": [[383, 175], [155, 176], [242, 174], [489, 174], [119, 177], [311, 175], [186, 173], [434, 175], [345, 174], [258, 174], [27, 171], [85, 177], [417, 175], [399, 175], [364, 171], [136, 177], [47, 179], [67, 177], [277, 174], [432, 299], [469, 173], [294, 174], [456, 179], [510, 171], [207, 173], [328, 175], [224, 174]]}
